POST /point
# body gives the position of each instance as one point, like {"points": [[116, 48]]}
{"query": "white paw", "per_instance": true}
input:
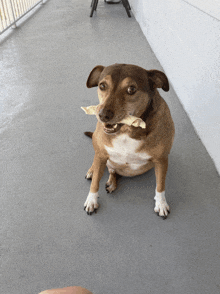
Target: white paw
{"points": [[161, 206], [91, 203]]}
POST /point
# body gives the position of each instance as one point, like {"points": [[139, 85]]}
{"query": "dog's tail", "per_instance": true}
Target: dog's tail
{"points": [[89, 134]]}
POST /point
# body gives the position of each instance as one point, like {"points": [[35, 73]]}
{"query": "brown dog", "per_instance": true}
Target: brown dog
{"points": [[126, 150]]}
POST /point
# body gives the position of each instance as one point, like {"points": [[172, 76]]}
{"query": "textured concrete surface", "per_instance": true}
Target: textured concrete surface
{"points": [[48, 241]]}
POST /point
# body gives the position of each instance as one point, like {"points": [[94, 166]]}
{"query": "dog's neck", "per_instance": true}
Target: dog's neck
{"points": [[147, 111]]}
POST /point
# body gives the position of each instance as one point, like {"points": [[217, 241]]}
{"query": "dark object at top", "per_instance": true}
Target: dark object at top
{"points": [[125, 3]]}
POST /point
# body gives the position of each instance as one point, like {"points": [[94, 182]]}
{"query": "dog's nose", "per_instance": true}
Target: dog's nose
{"points": [[106, 115]]}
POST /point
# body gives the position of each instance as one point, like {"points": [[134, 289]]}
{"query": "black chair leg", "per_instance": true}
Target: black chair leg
{"points": [[126, 6], [94, 6], [129, 7], [125, 3]]}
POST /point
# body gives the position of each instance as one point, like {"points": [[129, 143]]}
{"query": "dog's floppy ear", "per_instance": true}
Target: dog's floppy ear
{"points": [[94, 76], [158, 79]]}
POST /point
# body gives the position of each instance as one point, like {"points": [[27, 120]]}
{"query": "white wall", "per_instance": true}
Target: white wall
{"points": [[186, 41]]}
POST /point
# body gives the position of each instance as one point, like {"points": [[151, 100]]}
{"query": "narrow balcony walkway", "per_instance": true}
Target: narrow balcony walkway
{"points": [[48, 241]]}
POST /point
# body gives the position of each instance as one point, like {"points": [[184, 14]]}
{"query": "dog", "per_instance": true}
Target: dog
{"points": [[126, 89]]}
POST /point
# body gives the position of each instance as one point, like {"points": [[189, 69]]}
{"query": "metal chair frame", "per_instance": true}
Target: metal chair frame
{"points": [[125, 3]]}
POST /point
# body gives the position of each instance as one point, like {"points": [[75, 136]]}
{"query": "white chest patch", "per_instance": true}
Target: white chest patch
{"points": [[124, 151]]}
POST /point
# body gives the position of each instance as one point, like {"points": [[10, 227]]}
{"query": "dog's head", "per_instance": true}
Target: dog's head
{"points": [[124, 89]]}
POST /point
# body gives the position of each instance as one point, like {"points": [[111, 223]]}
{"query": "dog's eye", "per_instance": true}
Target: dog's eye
{"points": [[131, 90], [102, 86]]}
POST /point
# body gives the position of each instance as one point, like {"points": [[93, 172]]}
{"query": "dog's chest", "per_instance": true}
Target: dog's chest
{"points": [[124, 151]]}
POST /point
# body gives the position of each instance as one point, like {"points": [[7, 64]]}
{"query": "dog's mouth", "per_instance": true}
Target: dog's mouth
{"points": [[111, 128]]}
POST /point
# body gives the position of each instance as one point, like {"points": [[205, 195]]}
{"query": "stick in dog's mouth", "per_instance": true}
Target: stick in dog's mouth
{"points": [[129, 120]]}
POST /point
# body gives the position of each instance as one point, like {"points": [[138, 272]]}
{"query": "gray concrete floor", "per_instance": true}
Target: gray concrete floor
{"points": [[47, 239]]}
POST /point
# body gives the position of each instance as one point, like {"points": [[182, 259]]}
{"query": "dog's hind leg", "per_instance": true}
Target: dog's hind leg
{"points": [[89, 173], [111, 184]]}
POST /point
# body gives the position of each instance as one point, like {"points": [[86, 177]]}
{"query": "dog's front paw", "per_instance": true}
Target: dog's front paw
{"points": [[91, 204], [161, 206]]}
